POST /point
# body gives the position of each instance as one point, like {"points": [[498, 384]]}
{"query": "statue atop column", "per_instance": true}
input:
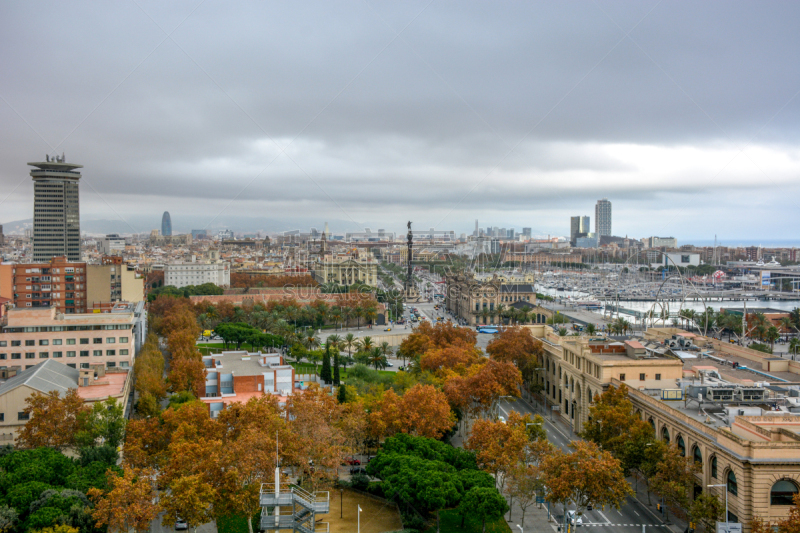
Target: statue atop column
{"points": [[410, 290]]}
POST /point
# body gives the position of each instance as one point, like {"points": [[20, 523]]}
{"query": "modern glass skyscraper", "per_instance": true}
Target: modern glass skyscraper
{"points": [[56, 210], [602, 217], [166, 225]]}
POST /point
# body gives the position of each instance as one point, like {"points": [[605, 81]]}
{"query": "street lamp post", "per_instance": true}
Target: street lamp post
{"points": [[359, 519], [726, 504], [520, 528]]}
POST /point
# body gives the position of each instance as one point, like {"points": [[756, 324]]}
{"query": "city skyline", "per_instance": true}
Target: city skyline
{"points": [[408, 120]]}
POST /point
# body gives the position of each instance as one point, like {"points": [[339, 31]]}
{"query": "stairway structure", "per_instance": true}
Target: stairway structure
{"points": [[285, 506]]}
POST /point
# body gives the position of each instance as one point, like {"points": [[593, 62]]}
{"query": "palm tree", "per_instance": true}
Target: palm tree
{"points": [[386, 349], [771, 336], [359, 314], [367, 344], [484, 314], [336, 315], [334, 341], [502, 310], [591, 329], [349, 342], [786, 324], [757, 323], [310, 341], [347, 315], [370, 313], [794, 343], [376, 358]]}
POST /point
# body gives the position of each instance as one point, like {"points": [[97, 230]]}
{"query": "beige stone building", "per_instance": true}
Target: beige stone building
{"points": [[346, 271], [745, 445], [478, 301]]}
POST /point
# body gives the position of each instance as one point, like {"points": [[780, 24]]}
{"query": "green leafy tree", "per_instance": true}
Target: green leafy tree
{"points": [[484, 504], [341, 394], [674, 477], [707, 509], [106, 422]]}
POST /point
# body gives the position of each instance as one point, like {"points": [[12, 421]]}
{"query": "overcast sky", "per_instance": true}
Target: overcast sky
{"points": [[683, 114]]}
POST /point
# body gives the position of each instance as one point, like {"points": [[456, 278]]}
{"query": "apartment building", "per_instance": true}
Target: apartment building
{"points": [[58, 284], [743, 434], [111, 244], [31, 336], [113, 281]]}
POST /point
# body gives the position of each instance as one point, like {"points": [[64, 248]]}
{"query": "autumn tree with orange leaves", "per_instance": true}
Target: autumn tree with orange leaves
{"points": [[426, 337], [587, 476], [53, 421], [499, 447], [456, 358], [422, 411], [314, 422], [516, 345], [128, 504]]}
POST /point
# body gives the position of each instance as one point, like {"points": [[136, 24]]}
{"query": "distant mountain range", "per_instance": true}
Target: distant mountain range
{"points": [[144, 224]]}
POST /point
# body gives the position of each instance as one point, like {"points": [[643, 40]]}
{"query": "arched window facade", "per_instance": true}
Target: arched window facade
{"points": [[652, 424], [698, 455], [665, 434], [714, 467], [681, 446], [733, 488], [783, 492]]}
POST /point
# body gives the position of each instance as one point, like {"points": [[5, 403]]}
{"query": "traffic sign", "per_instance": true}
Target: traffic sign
{"points": [[729, 527]]}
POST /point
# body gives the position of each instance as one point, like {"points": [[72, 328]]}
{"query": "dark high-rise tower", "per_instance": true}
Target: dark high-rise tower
{"points": [[166, 224], [56, 210]]}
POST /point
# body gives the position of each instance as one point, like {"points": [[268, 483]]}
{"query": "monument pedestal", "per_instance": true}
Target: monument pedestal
{"points": [[411, 295]]}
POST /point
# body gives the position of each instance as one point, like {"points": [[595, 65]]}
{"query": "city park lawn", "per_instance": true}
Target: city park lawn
{"points": [[451, 523]]}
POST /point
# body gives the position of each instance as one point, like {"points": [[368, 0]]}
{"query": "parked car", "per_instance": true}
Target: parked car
{"points": [[180, 524], [389, 363], [351, 461], [575, 520], [357, 470]]}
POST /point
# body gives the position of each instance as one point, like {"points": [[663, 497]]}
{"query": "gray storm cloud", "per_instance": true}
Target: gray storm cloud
{"points": [[369, 112]]}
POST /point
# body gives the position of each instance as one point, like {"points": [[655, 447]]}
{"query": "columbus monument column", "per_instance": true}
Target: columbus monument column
{"points": [[410, 292]]}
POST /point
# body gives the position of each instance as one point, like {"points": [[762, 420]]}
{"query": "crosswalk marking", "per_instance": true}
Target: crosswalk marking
{"points": [[604, 524]]}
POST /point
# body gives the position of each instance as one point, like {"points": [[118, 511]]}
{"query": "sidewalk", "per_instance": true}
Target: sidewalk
{"points": [[535, 518], [677, 517]]}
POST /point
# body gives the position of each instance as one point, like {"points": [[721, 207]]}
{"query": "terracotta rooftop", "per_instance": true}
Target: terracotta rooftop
{"points": [[112, 384]]}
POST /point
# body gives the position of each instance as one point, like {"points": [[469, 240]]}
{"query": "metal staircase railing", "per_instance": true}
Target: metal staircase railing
{"points": [[304, 507]]}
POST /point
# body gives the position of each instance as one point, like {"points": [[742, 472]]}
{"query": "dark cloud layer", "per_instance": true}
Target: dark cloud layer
{"points": [[525, 113]]}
